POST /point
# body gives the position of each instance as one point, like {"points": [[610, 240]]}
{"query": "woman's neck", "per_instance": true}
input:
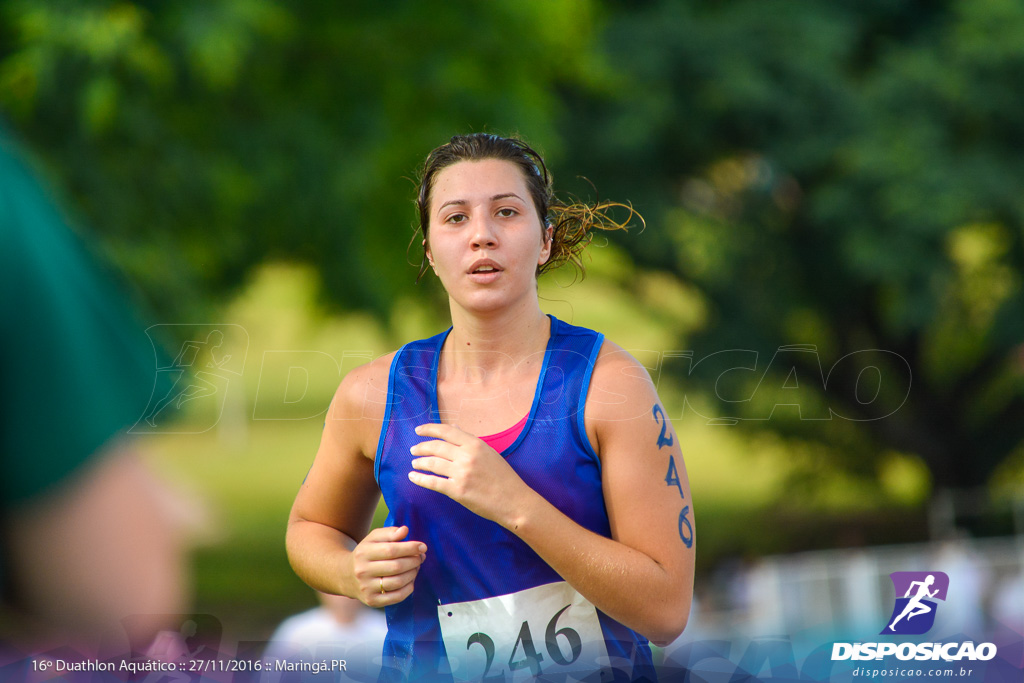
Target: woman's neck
{"points": [[483, 346]]}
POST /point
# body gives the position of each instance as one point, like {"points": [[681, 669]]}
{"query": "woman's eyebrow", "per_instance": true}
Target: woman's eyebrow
{"points": [[506, 196], [450, 202], [463, 202]]}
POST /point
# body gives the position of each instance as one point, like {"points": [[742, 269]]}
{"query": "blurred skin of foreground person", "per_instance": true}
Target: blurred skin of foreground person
{"points": [[90, 558], [540, 521]]}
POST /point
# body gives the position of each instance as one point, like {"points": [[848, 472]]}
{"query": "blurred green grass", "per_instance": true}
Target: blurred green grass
{"points": [[242, 474], [244, 490]]}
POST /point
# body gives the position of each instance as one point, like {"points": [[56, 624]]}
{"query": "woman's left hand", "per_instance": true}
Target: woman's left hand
{"points": [[468, 471]]}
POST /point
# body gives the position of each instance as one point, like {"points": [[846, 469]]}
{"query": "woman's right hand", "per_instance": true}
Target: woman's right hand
{"points": [[383, 566]]}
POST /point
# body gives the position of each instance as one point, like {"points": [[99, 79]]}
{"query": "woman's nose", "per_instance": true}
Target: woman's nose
{"points": [[483, 234]]}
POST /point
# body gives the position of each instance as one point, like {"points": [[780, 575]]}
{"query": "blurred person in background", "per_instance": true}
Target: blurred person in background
{"points": [[340, 621], [90, 551]]}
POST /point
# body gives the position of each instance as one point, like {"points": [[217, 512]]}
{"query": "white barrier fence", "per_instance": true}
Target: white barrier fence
{"points": [[850, 590]]}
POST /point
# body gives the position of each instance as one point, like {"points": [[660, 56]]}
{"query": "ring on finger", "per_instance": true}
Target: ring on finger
{"points": [[382, 585]]}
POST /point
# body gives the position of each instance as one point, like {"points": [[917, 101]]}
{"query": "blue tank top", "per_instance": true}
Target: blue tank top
{"points": [[469, 557]]}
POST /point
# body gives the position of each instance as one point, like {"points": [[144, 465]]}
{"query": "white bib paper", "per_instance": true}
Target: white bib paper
{"points": [[515, 637]]}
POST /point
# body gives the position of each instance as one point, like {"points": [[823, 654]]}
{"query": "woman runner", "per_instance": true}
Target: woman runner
{"points": [[539, 511]]}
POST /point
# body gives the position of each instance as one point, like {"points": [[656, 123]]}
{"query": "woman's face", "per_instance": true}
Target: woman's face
{"points": [[485, 239]]}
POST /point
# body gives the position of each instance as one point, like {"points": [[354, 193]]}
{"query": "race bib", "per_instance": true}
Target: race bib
{"points": [[544, 630]]}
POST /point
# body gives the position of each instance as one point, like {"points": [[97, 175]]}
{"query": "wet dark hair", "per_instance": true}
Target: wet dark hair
{"points": [[573, 222]]}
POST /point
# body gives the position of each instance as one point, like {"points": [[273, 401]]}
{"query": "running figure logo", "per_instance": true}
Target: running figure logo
{"points": [[198, 377], [914, 613]]}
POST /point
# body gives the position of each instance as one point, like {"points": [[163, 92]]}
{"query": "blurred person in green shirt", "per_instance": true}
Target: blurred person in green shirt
{"points": [[86, 539]]}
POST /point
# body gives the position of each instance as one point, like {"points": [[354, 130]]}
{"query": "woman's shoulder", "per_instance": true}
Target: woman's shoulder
{"points": [[619, 381], [363, 392], [613, 360]]}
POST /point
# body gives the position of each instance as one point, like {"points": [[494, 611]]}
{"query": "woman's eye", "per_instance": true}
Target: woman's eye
{"points": [[456, 218], [507, 213]]}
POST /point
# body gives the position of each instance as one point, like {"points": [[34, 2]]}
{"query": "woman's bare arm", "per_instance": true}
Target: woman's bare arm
{"points": [[327, 540]]}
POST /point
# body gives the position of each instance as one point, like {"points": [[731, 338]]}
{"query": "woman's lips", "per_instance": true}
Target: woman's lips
{"points": [[484, 271], [486, 277]]}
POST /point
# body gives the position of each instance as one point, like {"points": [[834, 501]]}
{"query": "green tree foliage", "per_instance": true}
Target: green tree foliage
{"points": [[836, 174], [843, 175], [201, 138]]}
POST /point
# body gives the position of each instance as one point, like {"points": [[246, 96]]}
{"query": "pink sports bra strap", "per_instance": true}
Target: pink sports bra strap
{"points": [[507, 437]]}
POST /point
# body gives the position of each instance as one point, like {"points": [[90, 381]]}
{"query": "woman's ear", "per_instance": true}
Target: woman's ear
{"points": [[426, 250], [545, 250]]}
